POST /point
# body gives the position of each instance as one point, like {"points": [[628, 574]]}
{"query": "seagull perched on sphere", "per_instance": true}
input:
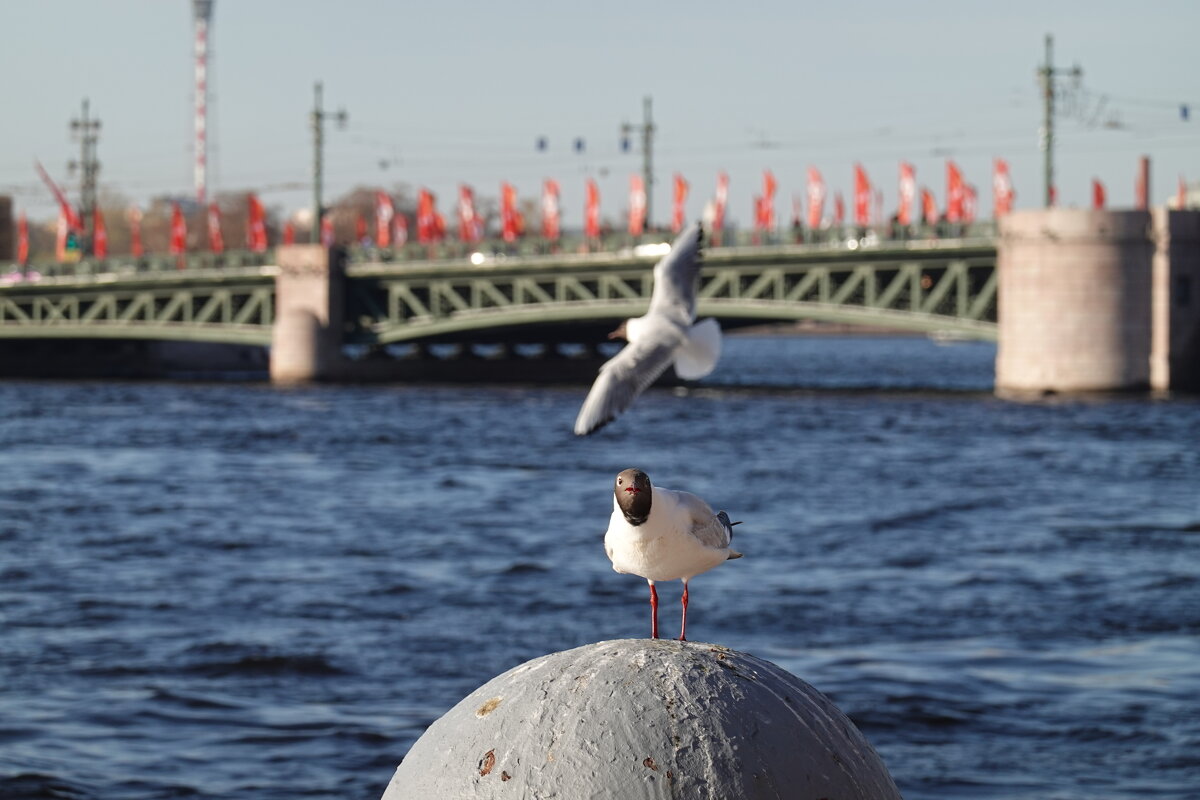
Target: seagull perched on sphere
{"points": [[664, 535], [665, 335]]}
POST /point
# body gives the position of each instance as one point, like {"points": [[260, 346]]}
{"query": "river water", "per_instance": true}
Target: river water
{"points": [[230, 590]]}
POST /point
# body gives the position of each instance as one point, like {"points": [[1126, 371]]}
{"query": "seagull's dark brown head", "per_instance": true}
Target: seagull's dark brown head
{"points": [[634, 495]]}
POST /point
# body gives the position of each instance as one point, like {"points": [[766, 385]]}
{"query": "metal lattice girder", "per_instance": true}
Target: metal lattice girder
{"points": [[950, 288], [234, 308], [947, 289]]}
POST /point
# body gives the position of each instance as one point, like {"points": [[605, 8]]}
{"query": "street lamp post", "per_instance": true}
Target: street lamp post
{"points": [[318, 126]]}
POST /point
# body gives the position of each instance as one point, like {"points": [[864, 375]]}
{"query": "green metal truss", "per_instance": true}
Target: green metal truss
{"points": [[949, 289], [235, 307]]}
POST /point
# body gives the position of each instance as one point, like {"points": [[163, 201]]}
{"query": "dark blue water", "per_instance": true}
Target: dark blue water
{"points": [[238, 591]]}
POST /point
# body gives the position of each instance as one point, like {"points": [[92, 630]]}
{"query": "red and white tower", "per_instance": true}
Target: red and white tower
{"points": [[201, 17]]}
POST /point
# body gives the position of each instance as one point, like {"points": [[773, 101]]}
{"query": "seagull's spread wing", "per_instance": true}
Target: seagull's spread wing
{"points": [[622, 378], [675, 277]]}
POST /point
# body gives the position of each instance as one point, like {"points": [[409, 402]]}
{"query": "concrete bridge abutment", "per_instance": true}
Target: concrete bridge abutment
{"points": [[1074, 301], [306, 339], [1175, 345]]}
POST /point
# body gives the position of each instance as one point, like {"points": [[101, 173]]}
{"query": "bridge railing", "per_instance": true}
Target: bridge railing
{"points": [[845, 237], [133, 265]]}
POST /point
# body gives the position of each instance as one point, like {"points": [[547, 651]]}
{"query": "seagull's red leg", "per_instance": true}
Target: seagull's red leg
{"points": [[653, 611], [683, 627]]}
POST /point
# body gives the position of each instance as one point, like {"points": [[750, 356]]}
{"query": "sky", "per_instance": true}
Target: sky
{"points": [[441, 94]]}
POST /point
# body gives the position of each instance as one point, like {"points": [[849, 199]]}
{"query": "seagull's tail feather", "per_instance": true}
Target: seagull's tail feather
{"points": [[699, 353]]}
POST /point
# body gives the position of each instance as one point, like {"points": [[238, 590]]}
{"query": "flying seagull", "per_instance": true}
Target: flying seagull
{"points": [[664, 535], [664, 336]]}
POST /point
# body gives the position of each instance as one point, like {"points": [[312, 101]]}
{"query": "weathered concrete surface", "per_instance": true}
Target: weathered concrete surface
{"points": [[643, 718], [1175, 339], [1074, 301], [306, 340]]}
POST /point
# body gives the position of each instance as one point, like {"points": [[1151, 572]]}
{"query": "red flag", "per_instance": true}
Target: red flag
{"points": [[256, 230], [720, 201], [550, 212], [178, 230], [426, 217], [1054, 196], [400, 230], [816, 198], [22, 240], [765, 205], [1181, 195], [591, 211], [326, 231], [637, 205], [1002, 188], [1098, 194], [216, 242], [929, 207], [73, 220], [360, 229], [384, 212], [862, 197], [60, 237], [289, 233], [970, 199], [99, 235], [469, 224], [839, 209], [955, 193], [508, 212], [677, 210], [134, 215], [908, 193], [439, 226]]}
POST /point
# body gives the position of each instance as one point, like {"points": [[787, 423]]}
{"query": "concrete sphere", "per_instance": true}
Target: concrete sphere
{"points": [[643, 718]]}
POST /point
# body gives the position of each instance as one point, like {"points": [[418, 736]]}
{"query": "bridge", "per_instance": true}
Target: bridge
{"points": [[1077, 301], [938, 286]]}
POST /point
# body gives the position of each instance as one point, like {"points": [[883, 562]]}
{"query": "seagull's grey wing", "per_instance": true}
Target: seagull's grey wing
{"points": [[709, 528], [676, 276], [622, 378]]}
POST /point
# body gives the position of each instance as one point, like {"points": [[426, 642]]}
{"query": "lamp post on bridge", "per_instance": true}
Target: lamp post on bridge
{"points": [[318, 126], [87, 130], [1046, 74], [646, 129]]}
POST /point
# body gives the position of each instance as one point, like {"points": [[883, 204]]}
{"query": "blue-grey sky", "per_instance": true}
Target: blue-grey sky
{"points": [[442, 93]]}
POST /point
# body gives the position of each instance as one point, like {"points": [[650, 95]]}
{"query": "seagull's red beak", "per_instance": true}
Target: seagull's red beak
{"points": [[633, 489]]}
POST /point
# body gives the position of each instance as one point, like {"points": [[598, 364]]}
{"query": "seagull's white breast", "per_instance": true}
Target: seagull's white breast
{"points": [[662, 548]]}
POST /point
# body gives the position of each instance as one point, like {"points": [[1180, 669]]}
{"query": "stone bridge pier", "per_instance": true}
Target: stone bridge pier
{"points": [[306, 340], [1175, 301], [1095, 300]]}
